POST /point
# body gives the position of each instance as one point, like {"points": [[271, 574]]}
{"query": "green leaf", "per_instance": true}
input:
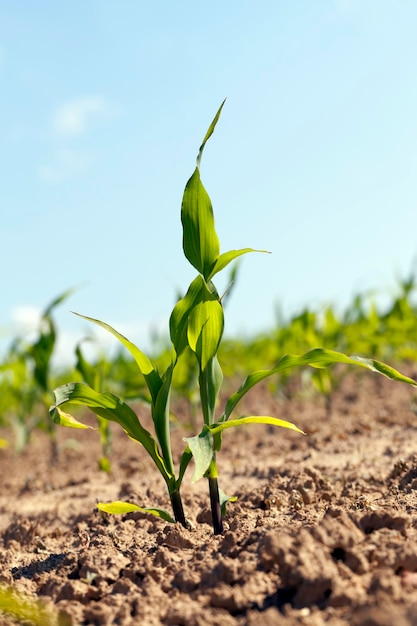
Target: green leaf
{"points": [[178, 323], [87, 371], [205, 330], [224, 499], [26, 609], [209, 132], [41, 351], [197, 321], [121, 508], [210, 381], [160, 416], [110, 407], [104, 464], [185, 461], [253, 419], [57, 301], [65, 419], [202, 449], [152, 378], [318, 357], [227, 257], [200, 241]]}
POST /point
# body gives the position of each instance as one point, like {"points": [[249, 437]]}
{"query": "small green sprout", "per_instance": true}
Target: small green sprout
{"points": [[196, 323]]}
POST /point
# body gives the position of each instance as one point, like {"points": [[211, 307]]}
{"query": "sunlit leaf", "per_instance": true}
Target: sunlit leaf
{"points": [[227, 257], [200, 241], [224, 500], [202, 449], [110, 407], [160, 416], [27, 609], [150, 374], [318, 357], [209, 132], [184, 463], [65, 419], [253, 419], [178, 323], [210, 381], [121, 508], [205, 329]]}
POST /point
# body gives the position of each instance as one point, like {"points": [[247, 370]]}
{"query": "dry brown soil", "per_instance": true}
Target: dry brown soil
{"points": [[324, 530]]}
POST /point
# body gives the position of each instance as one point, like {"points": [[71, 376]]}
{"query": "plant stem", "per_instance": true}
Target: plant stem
{"points": [[216, 512], [209, 381], [177, 508]]}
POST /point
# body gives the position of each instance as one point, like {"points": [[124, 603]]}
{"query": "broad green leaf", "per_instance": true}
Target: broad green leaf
{"points": [[120, 508], [152, 378], [200, 242], [227, 257], [202, 449], [318, 357], [65, 419], [205, 330], [202, 446], [110, 407], [197, 321]]}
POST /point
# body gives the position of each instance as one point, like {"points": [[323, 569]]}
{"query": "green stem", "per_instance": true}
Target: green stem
{"points": [[177, 508], [210, 381], [216, 512]]}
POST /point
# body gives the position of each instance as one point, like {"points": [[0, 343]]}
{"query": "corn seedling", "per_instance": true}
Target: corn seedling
{"points": [[196, 323], [25, 379]]}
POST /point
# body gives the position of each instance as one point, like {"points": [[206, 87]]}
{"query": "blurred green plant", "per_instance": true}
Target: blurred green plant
{"points": [[93, 375], [25, 379], [28, 610]]}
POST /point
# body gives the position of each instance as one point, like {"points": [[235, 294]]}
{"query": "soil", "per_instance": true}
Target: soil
{"points": [[324, 530]]}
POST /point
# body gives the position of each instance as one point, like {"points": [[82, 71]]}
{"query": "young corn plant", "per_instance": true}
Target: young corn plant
{"points": [[25, 379], [196, 323]]}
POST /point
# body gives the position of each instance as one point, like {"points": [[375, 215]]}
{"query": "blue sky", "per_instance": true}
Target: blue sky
{"points": [[104, 105]]}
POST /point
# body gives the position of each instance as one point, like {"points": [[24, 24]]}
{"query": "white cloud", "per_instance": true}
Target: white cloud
{"points": [[26, 319], [73, 117]]}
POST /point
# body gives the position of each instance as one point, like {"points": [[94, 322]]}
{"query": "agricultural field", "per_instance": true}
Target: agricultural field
{"points": [[217, 481]]}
